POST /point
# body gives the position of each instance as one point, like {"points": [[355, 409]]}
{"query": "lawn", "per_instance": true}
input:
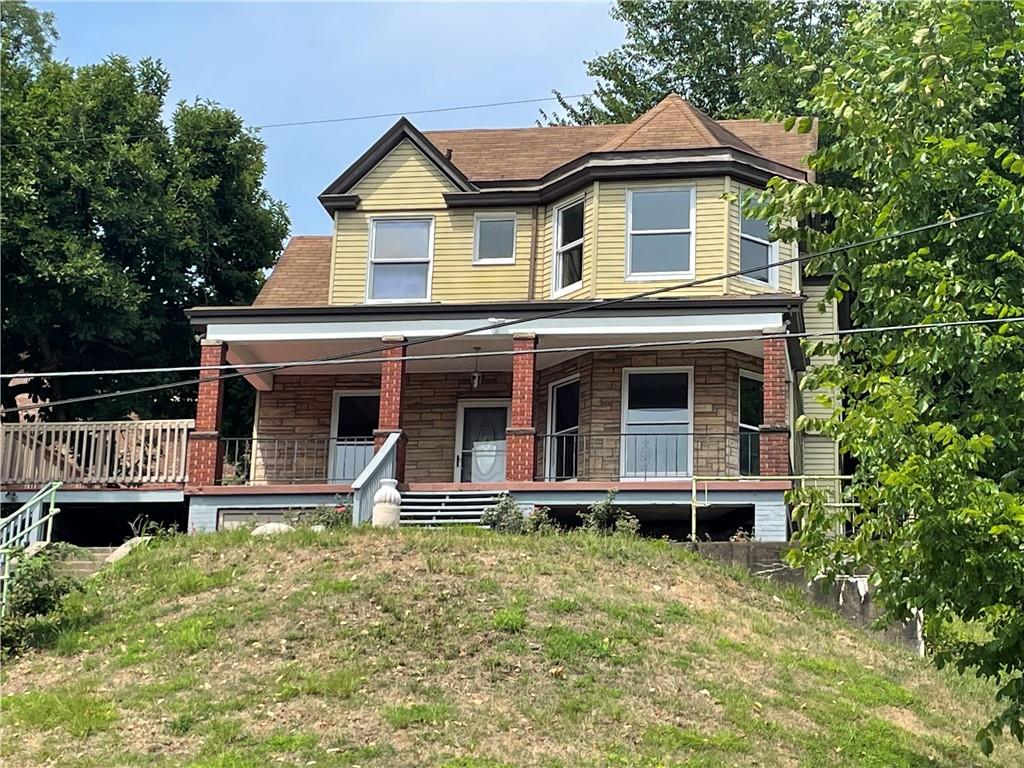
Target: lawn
{"points": [[471, 649]]}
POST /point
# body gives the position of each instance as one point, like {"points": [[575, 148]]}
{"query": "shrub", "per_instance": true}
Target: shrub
{"points": [[330, 516], [36, 591], [605, 518], [506, 516]]}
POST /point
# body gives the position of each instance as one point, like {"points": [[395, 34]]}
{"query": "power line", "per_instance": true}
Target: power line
{"points": [[295, 123], [316, 362], [516, 321]]}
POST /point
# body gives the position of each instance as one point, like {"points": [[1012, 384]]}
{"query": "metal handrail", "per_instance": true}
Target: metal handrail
{"points": [[365, 487], [25, 522], [266, 460]]}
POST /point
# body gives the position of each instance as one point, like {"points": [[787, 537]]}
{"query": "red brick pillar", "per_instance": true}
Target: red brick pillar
{"points": [[204, 448], [774, 437], [392, 383], [520, 437]]}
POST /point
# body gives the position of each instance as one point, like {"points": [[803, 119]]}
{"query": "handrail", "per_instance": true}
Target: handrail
{"points": [[21, 529], [365, 487]]}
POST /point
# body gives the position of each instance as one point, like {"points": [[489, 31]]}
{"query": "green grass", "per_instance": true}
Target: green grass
{"points": [[467, 649]]}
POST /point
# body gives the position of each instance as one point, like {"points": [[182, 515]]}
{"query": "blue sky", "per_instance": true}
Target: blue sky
{"points": [[279, 62]]}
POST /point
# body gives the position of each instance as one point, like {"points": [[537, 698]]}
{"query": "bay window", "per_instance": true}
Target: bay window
{"points": [[660, 232], [568, 247], [758, 250]]}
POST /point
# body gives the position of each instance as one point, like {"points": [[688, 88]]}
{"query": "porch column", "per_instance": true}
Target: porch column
{"points": [[204, 449], [392, 382], [774, 437], [520, 436]]}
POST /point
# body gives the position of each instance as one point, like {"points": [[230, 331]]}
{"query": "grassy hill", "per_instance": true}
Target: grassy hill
{"points": [[469, 649]]}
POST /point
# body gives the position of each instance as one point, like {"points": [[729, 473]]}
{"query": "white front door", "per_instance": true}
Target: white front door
{"points": [[480, 441]]}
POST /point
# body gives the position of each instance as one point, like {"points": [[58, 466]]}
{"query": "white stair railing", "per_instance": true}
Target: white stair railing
{"points": [[31, 523], [365, 487]]}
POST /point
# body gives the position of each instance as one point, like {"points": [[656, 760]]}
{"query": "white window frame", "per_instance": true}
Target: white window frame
{"points": [[336, 395], [549, 459], [739, 406], [370, 262], [494, 216], [624, 407], [643, 277], [773, 257], [556, 268]]}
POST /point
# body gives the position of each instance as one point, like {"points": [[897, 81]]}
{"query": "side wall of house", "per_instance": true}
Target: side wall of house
{"points": [[820, 453]]}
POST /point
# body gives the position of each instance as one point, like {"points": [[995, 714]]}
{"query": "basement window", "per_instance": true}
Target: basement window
{"points": [[660, 229], [400, 252], [494, 238]]}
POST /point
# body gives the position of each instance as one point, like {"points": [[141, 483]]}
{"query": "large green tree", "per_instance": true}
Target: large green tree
{"points": [[730, 59], [925, 108], [113, 222]]}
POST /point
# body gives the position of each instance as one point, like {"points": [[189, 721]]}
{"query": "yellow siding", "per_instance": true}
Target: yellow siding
{"points": [[820, 456], [405, 183], [817, 321], [710, 243], [404, 180]]}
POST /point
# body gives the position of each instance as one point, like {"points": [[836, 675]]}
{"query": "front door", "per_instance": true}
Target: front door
{"points": [[480, 441], [356, 416]]}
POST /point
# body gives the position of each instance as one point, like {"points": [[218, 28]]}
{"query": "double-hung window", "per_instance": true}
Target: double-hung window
{"points": [[656, 424], [568, 247], [758, 250], [660, 237], [494, 238], [400, 259], [751, 416]]}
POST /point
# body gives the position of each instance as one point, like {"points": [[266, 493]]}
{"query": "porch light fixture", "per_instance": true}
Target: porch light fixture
{"points": [[476, 378]]}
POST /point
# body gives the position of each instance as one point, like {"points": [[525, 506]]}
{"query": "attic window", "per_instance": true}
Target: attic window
{"points": [[494, 238], [400, 259], [660, 224]]}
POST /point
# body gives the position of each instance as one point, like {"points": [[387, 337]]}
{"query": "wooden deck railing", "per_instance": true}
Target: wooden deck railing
{"points": [[105, 453]]}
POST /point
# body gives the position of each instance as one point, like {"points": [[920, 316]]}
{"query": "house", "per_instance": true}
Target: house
{"points": [[547, 312], [467, 339]]}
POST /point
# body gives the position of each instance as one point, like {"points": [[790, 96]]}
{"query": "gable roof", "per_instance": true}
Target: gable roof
{"points": [[302, 275]]}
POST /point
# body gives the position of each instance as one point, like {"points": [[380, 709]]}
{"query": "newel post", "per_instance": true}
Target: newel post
{"points": [[204, 448], [520, 436]]}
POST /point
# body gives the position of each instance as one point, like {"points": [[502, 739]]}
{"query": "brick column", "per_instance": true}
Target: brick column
{"points": [[204, 448], [520, 436], [392, 383], [774, 436]]}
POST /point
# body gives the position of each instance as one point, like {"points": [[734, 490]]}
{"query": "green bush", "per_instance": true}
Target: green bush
{"points": [[35, 595], [330, 516], [605, 518], [506, 516]]}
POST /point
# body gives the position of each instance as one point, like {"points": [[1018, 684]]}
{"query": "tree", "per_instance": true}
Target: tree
{"points": [[925, 107], [114, 223], [730, 59]]}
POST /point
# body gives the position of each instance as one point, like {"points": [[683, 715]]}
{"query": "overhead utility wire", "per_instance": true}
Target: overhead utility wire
{"points": [[324, 121], [258, 367], [517, 321]]}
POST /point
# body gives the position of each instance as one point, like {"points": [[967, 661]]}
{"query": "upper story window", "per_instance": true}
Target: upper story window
{"points": [[400, 252], [568, 247], [757, 250], [659, 240], [494, 238]]}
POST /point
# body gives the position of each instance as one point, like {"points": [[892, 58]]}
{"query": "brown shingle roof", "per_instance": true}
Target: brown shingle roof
{"points": [[507, 154], [301, 277]]}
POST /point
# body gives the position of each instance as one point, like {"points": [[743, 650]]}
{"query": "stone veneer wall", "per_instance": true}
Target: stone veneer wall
{"points": [[299, 407]]}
